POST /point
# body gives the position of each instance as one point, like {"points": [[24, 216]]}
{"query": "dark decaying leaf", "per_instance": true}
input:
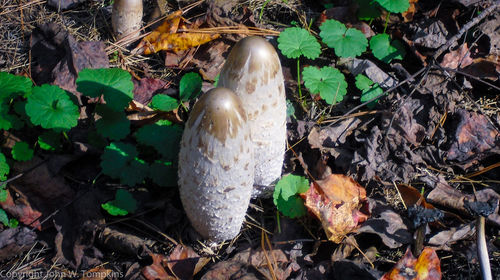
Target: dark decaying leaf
{"points": [[14, 241], [244, 264], [58, 57], [474, 139], [62, 5], [182, 263], [146, 88]]}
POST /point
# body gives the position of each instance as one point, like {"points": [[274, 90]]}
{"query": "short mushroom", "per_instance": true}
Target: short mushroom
{"points": [[126, 18], [216, 167], [253, 71]]}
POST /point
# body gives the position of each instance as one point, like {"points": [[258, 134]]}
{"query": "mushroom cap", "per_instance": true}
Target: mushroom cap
{"points": [[126, 17], [253, 71], [216, 165]]}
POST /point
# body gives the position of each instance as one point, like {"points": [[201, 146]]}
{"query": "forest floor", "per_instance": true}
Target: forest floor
{"points": [[425, 154]]}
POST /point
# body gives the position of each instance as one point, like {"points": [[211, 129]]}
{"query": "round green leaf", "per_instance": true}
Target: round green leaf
{"points": [[12, 86], [189, 86], [114, 84], [119, 161], [369, 89], [294, 42], [49, 140], [52, 108], [112, 124], [329, 82], [3, 194], [163, 173], [123, 204], [4, 169], [164, 102], [368, 10], [394, 6], [22, 152], [385, 50], [347, 42], [286, 198], [164, 138], [4, 219]]}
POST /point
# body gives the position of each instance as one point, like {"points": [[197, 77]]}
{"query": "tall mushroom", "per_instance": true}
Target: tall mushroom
{"points": [[216, 165], [253, 71], [126, 18]]}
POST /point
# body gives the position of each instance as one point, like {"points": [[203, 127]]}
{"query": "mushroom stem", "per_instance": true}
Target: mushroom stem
{"points": [[482, 250]]}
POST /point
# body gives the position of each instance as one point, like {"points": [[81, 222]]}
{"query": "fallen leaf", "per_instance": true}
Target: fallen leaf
{"points": [[408, 15], [146, 88], [166, 37], [426, 267], [474, 139], [459, 58], [182, 263], [336, 201], [15, 241], [21, 210]]}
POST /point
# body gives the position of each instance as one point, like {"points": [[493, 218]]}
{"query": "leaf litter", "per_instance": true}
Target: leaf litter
{"points": [[430, 132]]}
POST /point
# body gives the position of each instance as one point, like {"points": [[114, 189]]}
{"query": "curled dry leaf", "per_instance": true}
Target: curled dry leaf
{"points": [[167, 37], [459, 58], [337, 202], [427, 267]]}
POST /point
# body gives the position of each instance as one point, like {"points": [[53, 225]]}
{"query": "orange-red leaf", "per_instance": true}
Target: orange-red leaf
{"points": [[337, 201], [426, 267]]}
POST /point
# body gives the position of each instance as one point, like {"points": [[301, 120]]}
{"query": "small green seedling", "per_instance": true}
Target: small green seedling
{"points": [[4, 168], [347, 42], [385, 50], [22, 151], [369, 89], [120, 161], [4, 219], [123, 204], [286, 196], [189, 88], [327, 81], [295, 42]]}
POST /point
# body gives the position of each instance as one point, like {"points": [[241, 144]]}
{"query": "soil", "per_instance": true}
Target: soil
{"points": [[424, 152]]}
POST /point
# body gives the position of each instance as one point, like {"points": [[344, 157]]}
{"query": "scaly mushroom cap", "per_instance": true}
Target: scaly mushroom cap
{"points": [[126, 18], [216, 165], [253, 71]]}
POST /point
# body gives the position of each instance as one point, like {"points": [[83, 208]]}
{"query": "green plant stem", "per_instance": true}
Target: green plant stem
{"points": [[278, 221], [262, 10], [386, 21], [298, 79]]}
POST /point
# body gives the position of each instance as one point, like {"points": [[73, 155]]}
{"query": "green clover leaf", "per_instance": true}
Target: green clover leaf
{"points": [[189, 86], [4, 168], [114, 84], [12, 86], [22, 152], [286, 198], [385, 50], [51, 107], [294, 42], [347, 42], [163, 173], [394, 6], [369, 89], [112, 124], [327, 81], [164, 102], [164, 138], [119, 161], [123, 204]]}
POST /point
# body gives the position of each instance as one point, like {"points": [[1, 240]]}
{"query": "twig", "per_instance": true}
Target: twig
{"points": [[465, 28], [482, 250]]}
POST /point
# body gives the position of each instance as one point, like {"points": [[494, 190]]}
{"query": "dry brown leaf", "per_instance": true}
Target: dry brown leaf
{"points": [[426, 267], [166, 37], [459, 58], [336, 201], [408, 15]]}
